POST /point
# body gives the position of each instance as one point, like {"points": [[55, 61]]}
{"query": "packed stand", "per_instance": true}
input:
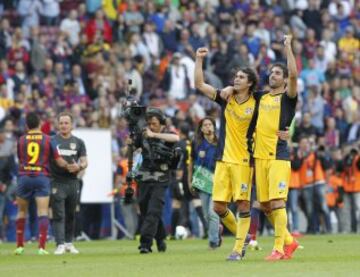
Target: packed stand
{"points": [[75, 56]]}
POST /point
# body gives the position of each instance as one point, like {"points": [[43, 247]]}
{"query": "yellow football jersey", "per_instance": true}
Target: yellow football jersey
{"points": [[235, 121], [275, 112]]}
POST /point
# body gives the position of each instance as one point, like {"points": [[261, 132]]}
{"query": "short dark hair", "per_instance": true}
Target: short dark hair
{"points": [[157, 113], [32, 120], [283, 68], [185, 129], [65, 114]]}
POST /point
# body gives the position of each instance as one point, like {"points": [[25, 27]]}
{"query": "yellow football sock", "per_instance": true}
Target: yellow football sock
{"points": [[280, 222], [229, 221], [288, 237], [243, 225]]}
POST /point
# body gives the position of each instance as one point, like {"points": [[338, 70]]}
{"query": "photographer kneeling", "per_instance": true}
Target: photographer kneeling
{"points": [[157, 144]]}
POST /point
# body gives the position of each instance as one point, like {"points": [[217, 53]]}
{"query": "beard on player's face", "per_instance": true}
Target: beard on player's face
{"points": [[274, 83]]}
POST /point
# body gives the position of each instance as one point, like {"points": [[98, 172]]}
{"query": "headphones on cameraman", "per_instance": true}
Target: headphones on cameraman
{"points": [[155, 112]]}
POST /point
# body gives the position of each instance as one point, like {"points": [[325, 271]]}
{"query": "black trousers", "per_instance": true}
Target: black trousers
{"points": [[151, 201], [63, 201]]}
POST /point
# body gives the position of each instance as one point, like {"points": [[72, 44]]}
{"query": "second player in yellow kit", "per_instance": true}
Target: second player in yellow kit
{"points": [[274, 112], [272, 160]]}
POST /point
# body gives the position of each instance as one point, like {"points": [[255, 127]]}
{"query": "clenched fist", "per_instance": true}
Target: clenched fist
{"points": [[287, 41], [201, 52]]}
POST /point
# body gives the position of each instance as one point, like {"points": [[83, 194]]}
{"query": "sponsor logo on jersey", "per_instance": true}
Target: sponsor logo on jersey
{"points": [[66, 152], [249, 111], [244, 187]]}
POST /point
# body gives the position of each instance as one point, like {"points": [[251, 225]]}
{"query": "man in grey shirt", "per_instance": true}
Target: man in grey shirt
{"points": [[65, 184]]}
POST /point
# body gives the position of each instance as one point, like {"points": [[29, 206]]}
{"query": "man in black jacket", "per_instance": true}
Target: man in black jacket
{"points": [[154, 176]]}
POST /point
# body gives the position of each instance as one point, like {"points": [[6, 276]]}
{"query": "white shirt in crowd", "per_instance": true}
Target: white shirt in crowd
{"points": [[50, 8], [72, 28], [152, 42], [177, 88], [329, 49]]}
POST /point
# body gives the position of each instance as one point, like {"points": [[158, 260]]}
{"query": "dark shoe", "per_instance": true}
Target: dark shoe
{"points": [[145, 250], [161, 245], [213, 245]]}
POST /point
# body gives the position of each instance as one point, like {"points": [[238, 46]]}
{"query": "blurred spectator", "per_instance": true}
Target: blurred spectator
{"points": [[354, 130], [349, 44], [152, 41], [220, 61], [50, 12], [330, 49], [39, 52], [98, 26], [312, 76], [29, 11], [312, 17], [305, 129], [168, 36], [332, 135], [352, 190], [7, 173], [93, 5], [176, 81], [71, 27], [133, 18], [316, 108], [5, 37]]}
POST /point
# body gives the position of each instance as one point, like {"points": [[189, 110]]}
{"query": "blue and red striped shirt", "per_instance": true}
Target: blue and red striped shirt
{"points": [[34, 151]]}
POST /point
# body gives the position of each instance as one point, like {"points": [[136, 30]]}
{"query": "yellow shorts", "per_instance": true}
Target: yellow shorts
{"points": [[272, 179], [232, 182]]}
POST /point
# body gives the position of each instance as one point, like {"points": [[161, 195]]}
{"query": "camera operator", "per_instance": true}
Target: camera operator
{"points": [[352, 190], [157, 144]]}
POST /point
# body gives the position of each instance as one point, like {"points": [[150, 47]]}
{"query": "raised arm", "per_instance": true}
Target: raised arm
{"points": [[206, 89], [291, 64]]}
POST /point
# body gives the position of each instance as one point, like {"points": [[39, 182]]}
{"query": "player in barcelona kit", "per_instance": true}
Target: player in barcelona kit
{"points": [[34, 151]]}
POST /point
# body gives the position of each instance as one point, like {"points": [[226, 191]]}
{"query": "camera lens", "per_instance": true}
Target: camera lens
{"points": [[137, 112]]}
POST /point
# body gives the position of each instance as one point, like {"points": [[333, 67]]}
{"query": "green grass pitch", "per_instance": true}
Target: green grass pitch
{"points": [[337, 255]]}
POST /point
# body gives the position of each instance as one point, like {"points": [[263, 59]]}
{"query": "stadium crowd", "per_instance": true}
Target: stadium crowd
{"points": [[77, 56]]}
